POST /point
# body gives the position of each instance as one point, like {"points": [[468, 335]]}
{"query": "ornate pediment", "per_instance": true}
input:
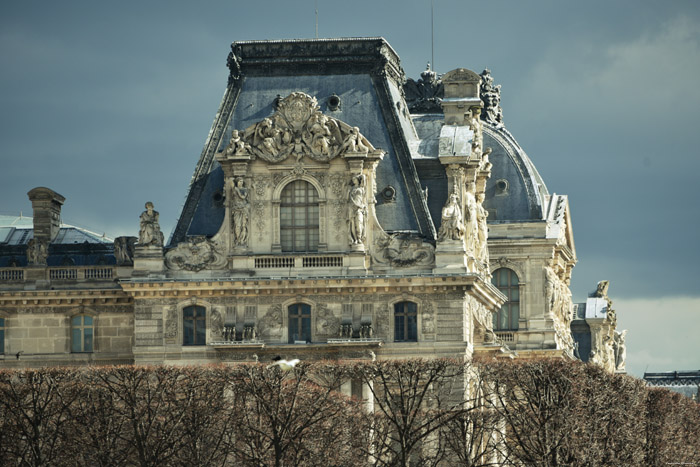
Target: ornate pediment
{"points": [[298, 128]]}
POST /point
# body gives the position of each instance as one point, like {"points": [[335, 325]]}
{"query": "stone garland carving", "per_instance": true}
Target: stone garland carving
{"points": [[194, 255], [260, 185], [124, 250], [491, 97], [338, 208], [382, 321], [327, 324], [424, 95], [259, 211], [149, 232], [171, 323], [399, 250], [451, 225], [427, 318], [337, 184], [270, 325], [298, 128], [357, 207], [240, 212]]}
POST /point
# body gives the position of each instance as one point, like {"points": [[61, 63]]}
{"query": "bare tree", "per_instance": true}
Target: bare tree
{"points": [[36, 410]]}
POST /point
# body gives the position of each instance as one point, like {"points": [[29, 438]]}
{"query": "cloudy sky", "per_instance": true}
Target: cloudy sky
{"points": [[109, 104]]}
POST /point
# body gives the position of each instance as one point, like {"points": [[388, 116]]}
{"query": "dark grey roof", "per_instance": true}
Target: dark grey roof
{"points": [[72, 245], [364, 73]]}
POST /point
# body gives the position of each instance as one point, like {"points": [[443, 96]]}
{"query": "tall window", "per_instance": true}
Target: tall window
{"points": [[405, 322], [507, 317], [82, 332], [299, 322], [299, 217], [2, 335], [194, 325]]}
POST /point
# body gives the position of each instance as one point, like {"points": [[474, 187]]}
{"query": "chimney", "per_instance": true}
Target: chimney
{"points": [[46, 205], [461, 94]]}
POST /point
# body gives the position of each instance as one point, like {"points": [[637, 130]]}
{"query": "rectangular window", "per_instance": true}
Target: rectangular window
{"points": [[299, 323], [81, 334], [405, 322], [194, 329], [2, 335]]}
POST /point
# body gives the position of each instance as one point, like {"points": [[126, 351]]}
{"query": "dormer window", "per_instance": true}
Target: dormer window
{"points": [[299, 217]]}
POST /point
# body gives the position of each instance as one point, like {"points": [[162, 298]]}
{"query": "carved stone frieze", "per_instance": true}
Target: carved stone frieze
{"points": [[399, 250], [270, 325], [327, 324], [217, 325], [194, 255], [299, 129], [338, 217], [260, 185], [337, 183]]}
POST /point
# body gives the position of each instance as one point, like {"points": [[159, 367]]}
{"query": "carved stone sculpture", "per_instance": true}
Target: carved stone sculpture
{"points": [[240, 213], [491, 97], [171, 322], [602, 289], [452, 225], [217, 325], [550, 287], [472, 220], [402, 250], [300, 129], [149, 233], [124, 250], [620, 350], [424, 95], [194, 255], [326, 321], [473, 117], [482, 253], [271, 323], [357, 210], [37, 252]]}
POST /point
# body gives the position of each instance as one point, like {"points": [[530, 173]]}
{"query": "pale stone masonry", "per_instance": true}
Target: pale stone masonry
{"points": [[338, 210]]}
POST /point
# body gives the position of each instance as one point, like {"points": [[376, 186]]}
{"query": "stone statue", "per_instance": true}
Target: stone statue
{"points": [[236, 145], [240, 213], [149, 233], [474, 121], [620, 349], [482, 214], [217, 324], [491, 97], [452, 225], [31, 251], [353, 142], [124, 250], [358, 209], [550, 287], [602, 289], [472, 220]]}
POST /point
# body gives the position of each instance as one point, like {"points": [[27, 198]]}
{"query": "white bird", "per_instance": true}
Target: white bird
{"points": [[285, 365]]}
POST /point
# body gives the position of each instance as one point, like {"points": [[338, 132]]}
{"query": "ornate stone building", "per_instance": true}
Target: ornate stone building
{"points": [[338, 210]]}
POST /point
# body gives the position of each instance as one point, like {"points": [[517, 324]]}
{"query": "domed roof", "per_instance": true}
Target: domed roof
{"points": [[515, 191]]}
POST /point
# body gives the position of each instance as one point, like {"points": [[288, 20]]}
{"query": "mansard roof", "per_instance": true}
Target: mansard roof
{"points": [[364, 74]]}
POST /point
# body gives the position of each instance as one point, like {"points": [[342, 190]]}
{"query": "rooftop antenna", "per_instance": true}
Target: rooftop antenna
{"points": [[432, 36], [316, 8]]}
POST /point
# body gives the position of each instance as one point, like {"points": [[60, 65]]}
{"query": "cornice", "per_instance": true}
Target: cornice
{"points": [[64, 297]]}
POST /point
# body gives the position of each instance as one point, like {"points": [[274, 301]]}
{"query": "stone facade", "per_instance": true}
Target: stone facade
{"points": [[347, 216]]}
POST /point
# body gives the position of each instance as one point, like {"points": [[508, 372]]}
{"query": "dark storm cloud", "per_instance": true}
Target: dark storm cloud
{"points": [[110, 104]]}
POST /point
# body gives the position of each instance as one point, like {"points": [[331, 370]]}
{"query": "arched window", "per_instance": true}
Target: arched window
{"points": [[194, 325], [405, 322], [299, 323], [299, 217], [507, 317], [82, 332]]}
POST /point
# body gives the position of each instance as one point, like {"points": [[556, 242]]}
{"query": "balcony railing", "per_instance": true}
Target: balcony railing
{"points": [[506, 336], [305, 262], [69, 273]]}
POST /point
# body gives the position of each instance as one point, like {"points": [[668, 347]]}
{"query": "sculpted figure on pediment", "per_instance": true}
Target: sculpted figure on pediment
{"points": [[298, 128]]}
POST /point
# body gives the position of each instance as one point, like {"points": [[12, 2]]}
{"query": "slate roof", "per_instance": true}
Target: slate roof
{"points": [[364, 73], [73, 245]]}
